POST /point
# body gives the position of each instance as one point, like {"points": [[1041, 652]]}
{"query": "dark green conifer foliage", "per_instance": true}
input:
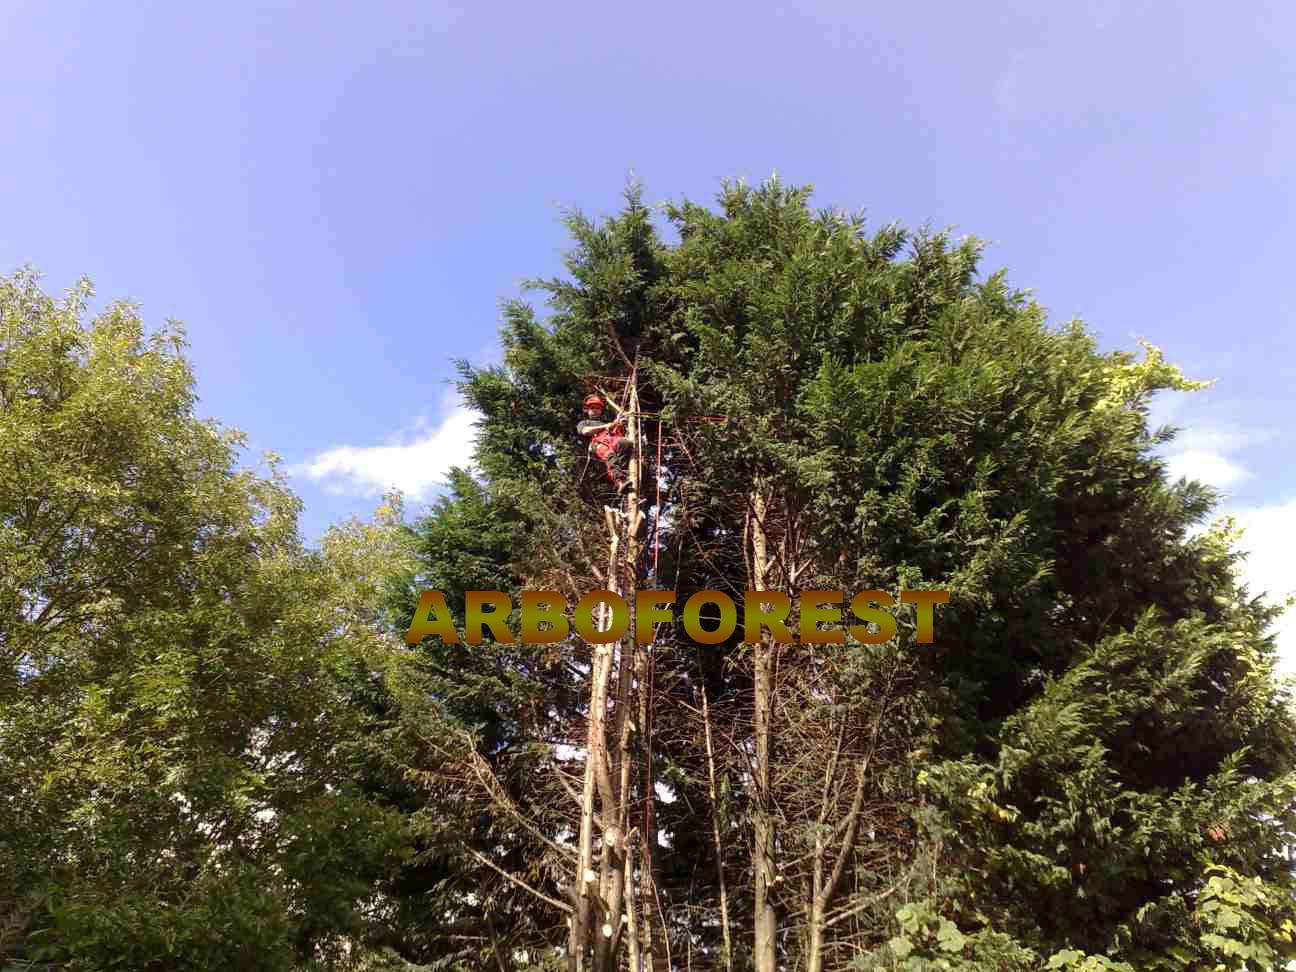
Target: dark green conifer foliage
{"points": [[1091, 765]]}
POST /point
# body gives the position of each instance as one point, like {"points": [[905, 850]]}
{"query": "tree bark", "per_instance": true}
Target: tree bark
{"points": [[764, 921], [610, 775], [715, 833]]}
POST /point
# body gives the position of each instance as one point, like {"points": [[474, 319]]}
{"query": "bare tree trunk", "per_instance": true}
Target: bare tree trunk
{"points": [[632, 917], [586, 892], [715, 832], [826, 883], [647, 859], [815, 936], [615, 816], [765, 926], [610, 771], [588, 896]]}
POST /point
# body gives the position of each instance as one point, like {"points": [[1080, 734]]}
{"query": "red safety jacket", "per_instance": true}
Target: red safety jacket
{"points": [[605, 441]]}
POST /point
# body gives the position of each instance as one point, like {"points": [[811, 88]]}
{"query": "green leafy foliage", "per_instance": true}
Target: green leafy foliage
{"points": [[214, 752], [177, 742]]}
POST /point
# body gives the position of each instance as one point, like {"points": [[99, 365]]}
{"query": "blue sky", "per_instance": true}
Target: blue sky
{"points": [[335, 198]]}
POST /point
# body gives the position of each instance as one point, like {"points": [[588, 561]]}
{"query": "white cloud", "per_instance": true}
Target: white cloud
{"points": [[1269, 531], [415, 466], [1269, 539], [1203, 454], [1217, 438], [1206, 465]]}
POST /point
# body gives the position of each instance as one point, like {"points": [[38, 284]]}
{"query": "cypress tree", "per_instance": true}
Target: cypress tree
{"points": [[1089, 767]]}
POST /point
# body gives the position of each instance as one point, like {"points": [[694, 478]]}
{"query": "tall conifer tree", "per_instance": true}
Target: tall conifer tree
{"points": [[1092, 763]]}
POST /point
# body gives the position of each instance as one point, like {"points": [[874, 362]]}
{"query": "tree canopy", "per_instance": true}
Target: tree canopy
{"points": [[178, 738], [218, 753]]}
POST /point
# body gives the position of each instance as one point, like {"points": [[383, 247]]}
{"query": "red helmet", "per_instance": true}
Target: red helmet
{"points": [[593, 401]]}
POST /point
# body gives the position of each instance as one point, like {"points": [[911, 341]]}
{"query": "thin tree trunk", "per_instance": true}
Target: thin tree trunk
{"points": [[815, 934], [614, 775], [715, 833], [615, 822], [632, 918], [826, 885], [587, 894], [764, 921], [647, 858], [586, 890]]}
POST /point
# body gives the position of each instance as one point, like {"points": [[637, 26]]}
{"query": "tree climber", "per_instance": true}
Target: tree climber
{"points": [[608, 440]]}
